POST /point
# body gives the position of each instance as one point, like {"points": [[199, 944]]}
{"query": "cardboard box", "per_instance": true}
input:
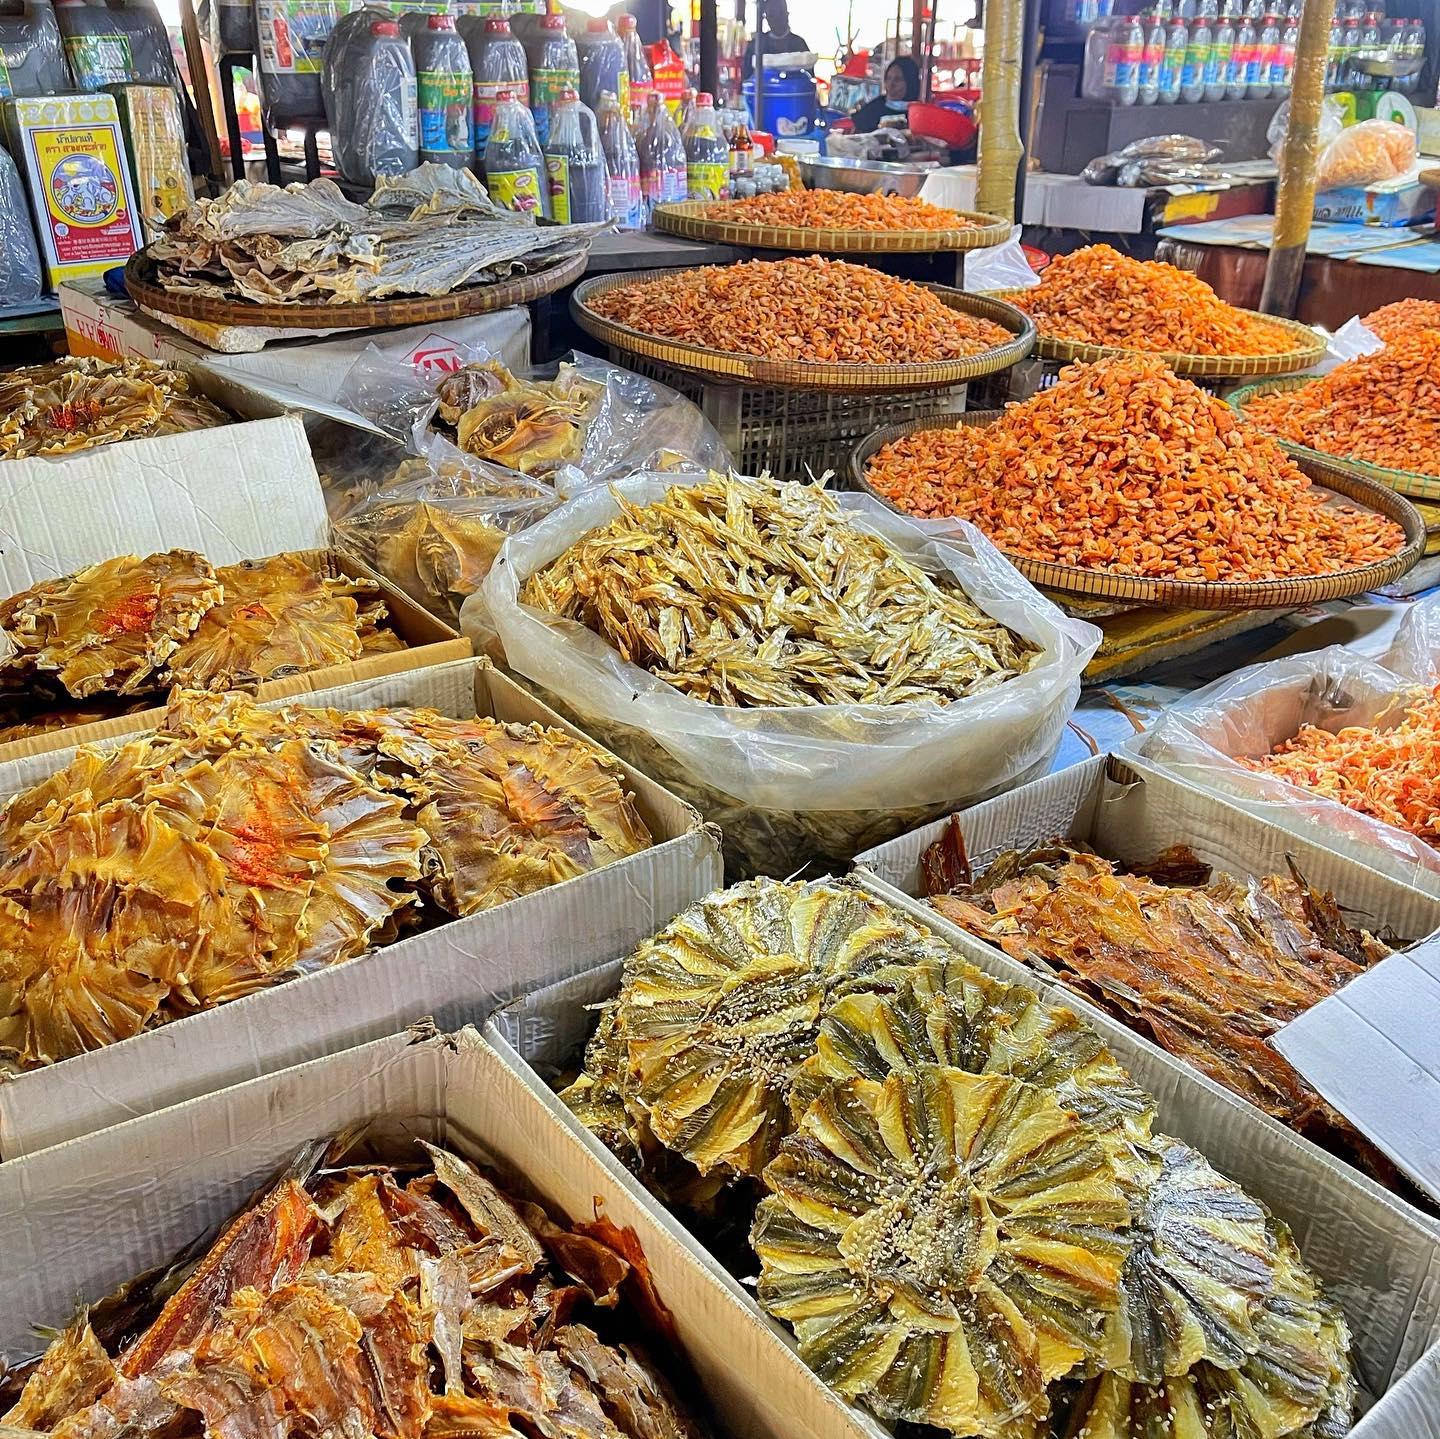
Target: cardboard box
{"points": [[1378, 1257], [454, 972], [1402, 201], [242, 491], [83, 1218]]}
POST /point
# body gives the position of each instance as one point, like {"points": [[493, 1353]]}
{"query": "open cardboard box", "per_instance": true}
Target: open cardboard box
{"points": [[237, 492], [86, 1216], [453, 972]]}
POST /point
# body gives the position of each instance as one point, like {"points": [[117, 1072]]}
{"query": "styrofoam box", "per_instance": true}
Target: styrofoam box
{"points": [[453, 972], [84, 1217], [1379, 1258]]}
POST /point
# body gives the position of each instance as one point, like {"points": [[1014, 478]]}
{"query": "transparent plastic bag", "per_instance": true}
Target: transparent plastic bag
{"points": [[1332, 122], [1001, 267], [1349, 342], [1249, 713], [607, 422], [32, 54], [21, 278], [1365, 154], [792, 784]]}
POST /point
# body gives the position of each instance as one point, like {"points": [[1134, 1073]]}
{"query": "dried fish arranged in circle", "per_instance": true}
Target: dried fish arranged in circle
{"points": [[744, 592], [386, 1300]]}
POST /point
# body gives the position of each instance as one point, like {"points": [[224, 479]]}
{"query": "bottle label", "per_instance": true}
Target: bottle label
{"points": [[1121, 63], [97, 60], [292, 34], [1169, 75], [1252, 67], [410, 111], [557, 169], [625, 201], [486, 94], [445, 97], [705, 180], [624, 96], [516, 190], [6, 88], [673, 184], [546, 85]]}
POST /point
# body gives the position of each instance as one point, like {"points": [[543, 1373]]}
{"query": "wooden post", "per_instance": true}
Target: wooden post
{"points": [[1295, 194], [1000, 151], [200, 85], [710, 50]]}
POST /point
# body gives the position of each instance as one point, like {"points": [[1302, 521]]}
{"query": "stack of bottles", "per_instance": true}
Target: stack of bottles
{"points": [[1369, 51]]}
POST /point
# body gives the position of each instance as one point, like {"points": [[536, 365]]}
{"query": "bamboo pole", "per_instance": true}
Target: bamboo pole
{"points": [[1000, 152], [1295, 195]]}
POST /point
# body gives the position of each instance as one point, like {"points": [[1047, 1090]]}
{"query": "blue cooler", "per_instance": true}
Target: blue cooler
{"points": [[788, 104]]}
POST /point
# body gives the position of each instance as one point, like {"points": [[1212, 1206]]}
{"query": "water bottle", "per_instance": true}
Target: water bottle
{"points": [[1152, 56], [1415, 50], [622, 165], [637, 67], [514, 163], [554, 66], [446, 88], [707, 156], [1235, 52], [662, 158], [1197, 58], [497, 59], [1349, 49], [1289, 42], [1122, 62], [1177, 47], [1262, 58], [575, 164], [1333, 54]]}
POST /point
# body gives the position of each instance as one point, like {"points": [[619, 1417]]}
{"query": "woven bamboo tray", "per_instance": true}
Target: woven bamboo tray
{"points": [[1309, 349], [146, 291], [1341, 482], [688, 219], [805, 374], [1407, 482]]}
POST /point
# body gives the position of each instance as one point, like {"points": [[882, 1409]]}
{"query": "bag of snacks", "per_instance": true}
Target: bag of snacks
{"points": [[1365, 154], [1325, 744], [815, 672]]}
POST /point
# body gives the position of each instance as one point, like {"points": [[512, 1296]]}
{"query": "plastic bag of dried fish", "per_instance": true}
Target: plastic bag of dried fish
{"points": [[812, 670], [1369, 729], [581, 423]]}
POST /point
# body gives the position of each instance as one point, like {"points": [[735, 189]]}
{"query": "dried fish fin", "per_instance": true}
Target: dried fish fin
{"points": [[72, 1374]]}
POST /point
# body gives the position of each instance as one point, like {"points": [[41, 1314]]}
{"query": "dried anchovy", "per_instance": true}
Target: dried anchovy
{"points": [[742, 592]]}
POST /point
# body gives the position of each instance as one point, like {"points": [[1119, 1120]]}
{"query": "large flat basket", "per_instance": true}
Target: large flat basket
{"points": [[805, 374], [1415, 483], [1341, 483], [690, 219]]}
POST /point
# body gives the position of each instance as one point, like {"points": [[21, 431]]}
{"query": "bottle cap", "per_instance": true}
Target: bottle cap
{"points": [[626, 23], [439, 22], [552, 21], [598, 26], [504, 96], [704, 98], [384, 27], [568, 96], [497, 25]]}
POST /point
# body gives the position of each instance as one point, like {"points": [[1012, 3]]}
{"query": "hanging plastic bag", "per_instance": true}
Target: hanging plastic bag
{"points": [[1001, 267], [574, 425], [32, 54], [792, 784], [21, 278], [1332, 122], [1249, 713], [1366, 154]]}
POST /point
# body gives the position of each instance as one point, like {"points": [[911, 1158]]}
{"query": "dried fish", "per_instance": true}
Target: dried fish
{"points": [[306, 1320], [743, 592]]}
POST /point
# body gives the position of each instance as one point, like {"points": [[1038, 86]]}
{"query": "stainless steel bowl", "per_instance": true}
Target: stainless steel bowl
{"points": [[864, 177]]}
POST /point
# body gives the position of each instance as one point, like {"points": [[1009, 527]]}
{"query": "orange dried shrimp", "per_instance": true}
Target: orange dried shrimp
{"points": [[1098, 296], [1391, 775], [838, 210], [805, 309], [1383, 408], [1123, 467], [1402, 317]]}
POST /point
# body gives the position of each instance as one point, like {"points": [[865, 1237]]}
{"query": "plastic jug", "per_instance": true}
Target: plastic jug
{"points": [[707, 156], [622, 165], [21, 280], [120, 44], [445, 94], [32, 54], [575, 164], [554, 66], [514, 164], [291, 35], [375, 127], [497, 61], [637, 67], [662, 158], [602, 65]]}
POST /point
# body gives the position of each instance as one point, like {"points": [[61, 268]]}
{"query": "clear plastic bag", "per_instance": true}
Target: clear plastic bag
{"points": [[788, 785], [1365, 154], [1332, 122], [1162, 155], [1001, 267], [32, 54], [607, 422], [1249, 713], [21, 278], [1349, 342]]}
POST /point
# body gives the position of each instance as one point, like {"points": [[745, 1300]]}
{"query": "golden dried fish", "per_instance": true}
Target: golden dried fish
{"points": [[464, 388], [439, 558], [743, 592]]}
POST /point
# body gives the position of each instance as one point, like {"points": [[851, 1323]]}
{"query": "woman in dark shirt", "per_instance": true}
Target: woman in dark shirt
{"points": [[901, 86]]}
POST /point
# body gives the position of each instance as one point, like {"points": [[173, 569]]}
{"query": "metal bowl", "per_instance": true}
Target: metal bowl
{"points": [[864, 177]]}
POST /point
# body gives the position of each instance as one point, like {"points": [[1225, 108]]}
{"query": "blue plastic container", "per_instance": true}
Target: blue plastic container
{"points": [[788, 105]]}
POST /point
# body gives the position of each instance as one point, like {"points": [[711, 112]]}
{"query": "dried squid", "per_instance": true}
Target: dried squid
{"points": [[393, 1301]]}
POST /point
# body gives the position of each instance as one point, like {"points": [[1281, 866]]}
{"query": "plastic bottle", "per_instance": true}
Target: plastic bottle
{"points": [[602, 65], [1152, 56], [446, 89], [686, 117], [1349, 48], [1197, 57], [1177, 46], [1262, 57], [1282, 61], [412, 23], [1414, 50], [514, 163], [1332, 54], [707, 156], [1227, 41], [554, 66], [292, 43], [622, 165], [497, 62], [371, 86], [637, 67], [575, 164], [1122, 62], [662, 158]]}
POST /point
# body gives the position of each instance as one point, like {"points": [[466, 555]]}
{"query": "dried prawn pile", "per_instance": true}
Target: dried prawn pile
{"points": [[1209, 967], [89, 642], [1097, 296], [1403, 317], [411, 1301], [426, 233], [1391, 774], [236, 847], [81, 402], [964, 1211], [838, 210], [744, 592], [1124, 468]]}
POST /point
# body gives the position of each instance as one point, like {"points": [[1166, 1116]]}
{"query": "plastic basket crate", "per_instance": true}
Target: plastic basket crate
{"points": [[794, 434]]}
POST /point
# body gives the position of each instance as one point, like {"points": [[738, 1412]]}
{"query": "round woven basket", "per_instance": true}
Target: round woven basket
{"points": [[1309, 349], [688, 218], [1340, 481], [807, 374], [142, 284], [1408, 482]]}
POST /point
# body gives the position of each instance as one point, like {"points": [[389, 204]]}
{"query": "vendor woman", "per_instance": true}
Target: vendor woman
{"points": [[901, 86]]}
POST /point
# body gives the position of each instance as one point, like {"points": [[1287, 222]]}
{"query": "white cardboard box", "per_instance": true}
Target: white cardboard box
{"points": [[1379, 1258], [454, 972], [84, 1217]]}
